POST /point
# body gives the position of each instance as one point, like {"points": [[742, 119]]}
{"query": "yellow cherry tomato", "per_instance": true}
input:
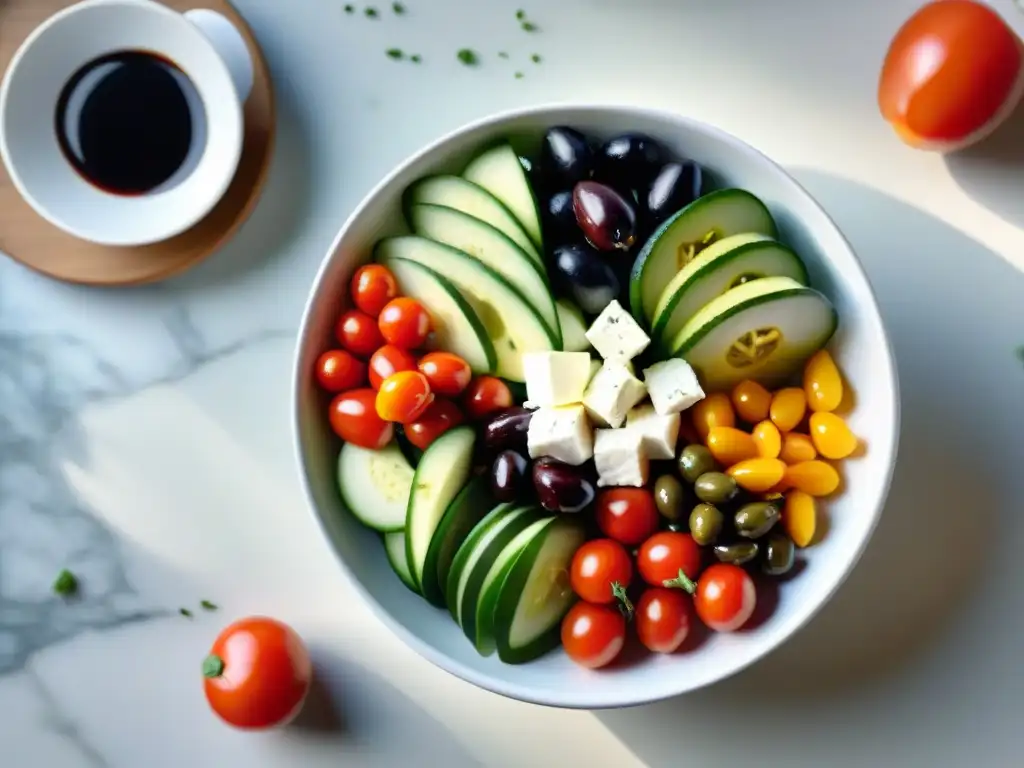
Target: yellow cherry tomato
{"points": [[800, 517], [751, 401], [815, 478], [757, 475], [715, 410], [797, 447], [788, 408], [823, 386], [768, 440], [730, 445], [831, 436]]}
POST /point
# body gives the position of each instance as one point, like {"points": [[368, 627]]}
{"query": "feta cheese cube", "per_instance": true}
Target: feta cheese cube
{"points": [[619, 457], [659, 433], [555, 378], [611, 393], [673, 386], [562, 433], [616, 335]]}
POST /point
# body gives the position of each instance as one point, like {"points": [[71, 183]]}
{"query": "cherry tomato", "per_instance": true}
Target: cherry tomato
{"points": [[405, 323], [485, 395], [257, 674], [353, 417], [665, 554], [338, 370], [387, 361], [373, 286], [725, 597], [593, 635], [598, 569], [404, 396], [663, 619], [628, 515], [952, 73], [447, 373], [441, 416], [358, 333]]}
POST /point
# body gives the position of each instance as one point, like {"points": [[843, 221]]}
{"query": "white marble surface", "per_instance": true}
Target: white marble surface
{"points": [[144, 437]]}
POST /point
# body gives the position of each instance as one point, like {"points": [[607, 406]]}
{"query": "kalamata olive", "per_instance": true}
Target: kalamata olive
{"points": [[715, 487], [706, 523], [694, 461], [560, 217], [754, 520], [778, 554], [562, 487], [508, 475], [670, 497], [582, 273], [630, 160], [507, 429], [738, 553], [566, 155], [676, 185], [608, 220]]}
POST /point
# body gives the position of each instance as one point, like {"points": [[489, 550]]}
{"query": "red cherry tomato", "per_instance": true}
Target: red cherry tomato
{"points": [[405, 323], [404, 396], [593, 635], [725, 597], [372, 287], [441, 416], [387, 361], [628, 515], [663, 619], [664, 554], [257, 674], [358, 333], [598, 569], [353, 417], [485, 395], [338, 370], [447, 373], [952, 72]]}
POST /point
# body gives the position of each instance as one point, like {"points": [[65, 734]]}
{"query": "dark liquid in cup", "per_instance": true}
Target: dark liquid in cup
{"points": [[128, 122]]}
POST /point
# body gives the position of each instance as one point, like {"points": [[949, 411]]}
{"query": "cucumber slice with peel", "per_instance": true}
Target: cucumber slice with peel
{"points": [[499, 171], [466, 510], [394, 548], [574, 328], [763, 330], [375, 485]]}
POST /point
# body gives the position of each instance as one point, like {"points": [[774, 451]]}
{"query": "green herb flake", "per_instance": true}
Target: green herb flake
{"points": [[66, 583], [371, 12], [535, 58], [207, 605], [519, 75], [529, 26], [468, 57], [398, 8], [185, 612], [502, 54], [395, 53], [415, 58], [350, 8], [520, 15], [1020, 353]]}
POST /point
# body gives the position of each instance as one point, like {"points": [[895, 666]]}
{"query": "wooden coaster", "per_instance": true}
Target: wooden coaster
{"points": [[27, 237]]}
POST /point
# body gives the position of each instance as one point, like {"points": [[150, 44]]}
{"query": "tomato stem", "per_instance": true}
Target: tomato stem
{"points": [[213, 666], [682, 581], [625, 605]]}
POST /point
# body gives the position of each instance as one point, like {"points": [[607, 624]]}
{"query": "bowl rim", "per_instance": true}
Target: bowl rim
{"points": [[629, 697]]}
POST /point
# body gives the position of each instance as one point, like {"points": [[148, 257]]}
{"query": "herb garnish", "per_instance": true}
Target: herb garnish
{"points": [[395, 53], [398, 8], [371, 12], [535, 58], [415, 58], [185, 612], [468, 57], [349, 8], [207, 605], [66, 583]]}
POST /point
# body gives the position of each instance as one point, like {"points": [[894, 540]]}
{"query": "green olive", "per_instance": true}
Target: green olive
{"points": [[779, 554], [739, 553], [715, 488], [670, 497], [694, 461], [754, 520], [706, 523]]}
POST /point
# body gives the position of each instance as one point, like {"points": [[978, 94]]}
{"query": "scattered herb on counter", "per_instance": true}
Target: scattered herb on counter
{"points": [[185, 612], [350, 8], [395, 53], [521, 15], [502, 54], [535, 58], [529, 26], [371, 12], [1020, 353], [468, 57], [519, 75], [398, 8], [207, 605], [66, 583], [415, 58]]}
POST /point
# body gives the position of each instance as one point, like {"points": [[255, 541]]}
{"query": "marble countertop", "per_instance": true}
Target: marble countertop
{"points": [[145, 440]]}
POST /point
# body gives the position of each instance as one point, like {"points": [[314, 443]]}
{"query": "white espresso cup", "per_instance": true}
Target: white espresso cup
{"points": [[39, 109]]}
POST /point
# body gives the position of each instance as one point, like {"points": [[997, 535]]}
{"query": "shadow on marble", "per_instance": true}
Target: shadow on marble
{"points": [[951, 531]]}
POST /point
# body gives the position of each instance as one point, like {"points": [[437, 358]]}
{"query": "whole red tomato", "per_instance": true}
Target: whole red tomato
{"points": [[447, 373], [257, 674], [373, 286], [439, 417], [663, 619], [358, 333], [725, 597], [600, 571], [485, 395], [404, 322], [665, 554], [387, 361], [338, 370], [593, 635], [628, 515], [353, 417]]}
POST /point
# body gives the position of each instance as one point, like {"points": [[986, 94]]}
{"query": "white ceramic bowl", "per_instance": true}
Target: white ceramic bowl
{"points": [[860, 347]]}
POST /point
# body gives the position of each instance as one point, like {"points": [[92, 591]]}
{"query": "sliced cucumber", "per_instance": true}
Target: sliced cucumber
{"points": [[394, 548], [442, 472], [764, 330], [463, 195], [457, 328], [482, 241], [513, 326], [462, 515], [675, 243], [724, 264], [535, 594], [574, 328], [499, 171], [375, 485]]}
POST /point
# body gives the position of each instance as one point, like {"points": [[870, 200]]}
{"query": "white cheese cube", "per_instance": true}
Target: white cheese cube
{"points": [[555, 378], [659, 433], [616, 335], [611, 393], [672, 385], [562, 433], [619, 457]]}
